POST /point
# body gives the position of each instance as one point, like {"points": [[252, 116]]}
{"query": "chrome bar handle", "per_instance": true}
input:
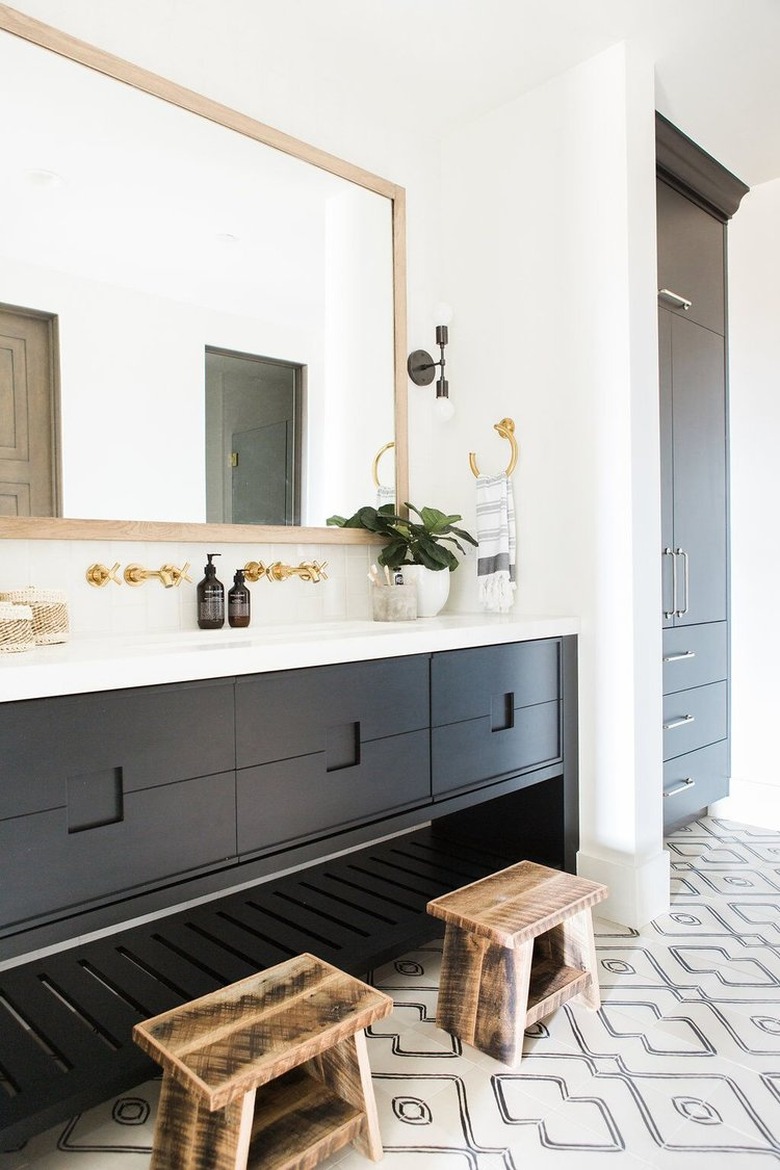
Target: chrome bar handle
{"points": [[671, 612], [679, 657], [680, 552], [674, 299], [683, 786], [679, 722]]}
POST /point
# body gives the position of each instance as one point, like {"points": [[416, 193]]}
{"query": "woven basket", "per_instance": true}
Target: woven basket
{"points": [[16, 628], [49, 612]]}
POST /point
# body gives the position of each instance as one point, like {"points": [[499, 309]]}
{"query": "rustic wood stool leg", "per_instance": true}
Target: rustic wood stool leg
{"points": [[345, 1069], [483, 993], [187, 1135], [575, 946]]}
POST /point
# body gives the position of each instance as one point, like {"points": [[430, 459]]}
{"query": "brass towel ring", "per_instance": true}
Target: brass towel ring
{"points": [[506, 429], [375, 464]]}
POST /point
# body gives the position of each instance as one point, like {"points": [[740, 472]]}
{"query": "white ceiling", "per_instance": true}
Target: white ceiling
{"points": [[411, 64]]}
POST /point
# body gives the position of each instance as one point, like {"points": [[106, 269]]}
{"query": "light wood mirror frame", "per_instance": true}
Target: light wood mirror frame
{"points": [[57, 528]]}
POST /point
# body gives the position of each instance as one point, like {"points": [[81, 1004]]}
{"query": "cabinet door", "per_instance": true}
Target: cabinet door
{"points": [[668, 561], [699, 471], [691, 257]]}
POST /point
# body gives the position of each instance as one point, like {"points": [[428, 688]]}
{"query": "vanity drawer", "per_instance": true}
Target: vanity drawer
{"points": [[694, 718], [292, 799], [693, 781], [487, 681], [471, 753], [148, 736], [322, 708], [694, 655], [162, 832]]}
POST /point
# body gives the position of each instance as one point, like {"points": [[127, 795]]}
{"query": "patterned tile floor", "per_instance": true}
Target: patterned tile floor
{"points": [[680, 1068]]}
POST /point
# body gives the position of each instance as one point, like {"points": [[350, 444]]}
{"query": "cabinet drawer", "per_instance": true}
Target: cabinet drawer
{"points": [[488, 681], [297, 798], [162, 832], [465, 755], [150, 735], [695, 655], [693, 781], [298, 712], [694, 718]]}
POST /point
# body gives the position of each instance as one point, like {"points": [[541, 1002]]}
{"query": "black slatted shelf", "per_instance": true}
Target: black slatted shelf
{"points": [[66, 1019]]}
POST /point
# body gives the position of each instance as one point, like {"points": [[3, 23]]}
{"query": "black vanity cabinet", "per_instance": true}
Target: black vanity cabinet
{"points": [[322, 748], [158, 843], [102, 793], [123, 802]]}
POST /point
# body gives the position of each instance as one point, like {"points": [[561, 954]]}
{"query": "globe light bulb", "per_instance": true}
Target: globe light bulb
{"points": [[443, 409], [442, 313]]}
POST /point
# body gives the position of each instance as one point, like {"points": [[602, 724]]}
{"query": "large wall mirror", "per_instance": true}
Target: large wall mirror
{"points": [[158, 229]]}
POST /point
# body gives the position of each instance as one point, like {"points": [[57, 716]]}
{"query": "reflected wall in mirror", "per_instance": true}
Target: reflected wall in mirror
{"points": [[153, 233]]}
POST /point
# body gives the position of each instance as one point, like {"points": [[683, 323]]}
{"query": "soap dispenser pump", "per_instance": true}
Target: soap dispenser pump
{"points": [[211, 598], [238, 602]]}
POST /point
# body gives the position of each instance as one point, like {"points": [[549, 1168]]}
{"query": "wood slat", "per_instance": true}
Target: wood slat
{"points": [[22, 1058], [184, 976], [70, 1034], [92, 997], [206, 963]]}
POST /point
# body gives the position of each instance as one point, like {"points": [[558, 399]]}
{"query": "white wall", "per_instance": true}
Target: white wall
{"points": [[754, 390], [539, 230], [549, 246]]}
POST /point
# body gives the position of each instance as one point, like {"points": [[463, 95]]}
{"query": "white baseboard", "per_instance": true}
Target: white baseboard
{"points": [[638, 892], [750, 803]]}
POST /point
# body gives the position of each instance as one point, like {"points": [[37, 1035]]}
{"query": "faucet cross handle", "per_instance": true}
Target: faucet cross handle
{"points": [[99, 575], [170, 575], [313, 571]]}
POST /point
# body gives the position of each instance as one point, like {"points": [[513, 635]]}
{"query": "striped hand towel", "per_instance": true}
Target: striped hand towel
{"points": [[497, 542]]}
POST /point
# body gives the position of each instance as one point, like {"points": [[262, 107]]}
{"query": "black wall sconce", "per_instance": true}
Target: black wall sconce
{"points": [[422, 368]]}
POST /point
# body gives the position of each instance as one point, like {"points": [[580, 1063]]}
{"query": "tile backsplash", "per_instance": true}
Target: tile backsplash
{"points": [[151, 608]]}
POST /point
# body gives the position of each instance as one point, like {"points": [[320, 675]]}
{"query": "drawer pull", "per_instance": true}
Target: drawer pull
{"points": [[679, 722], [683, 786], [679, 657], [674, 299], [668, 613], [680, 552]]}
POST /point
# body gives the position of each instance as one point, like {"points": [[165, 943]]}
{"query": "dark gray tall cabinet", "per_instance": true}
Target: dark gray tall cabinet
{"points": [[696, 197]]}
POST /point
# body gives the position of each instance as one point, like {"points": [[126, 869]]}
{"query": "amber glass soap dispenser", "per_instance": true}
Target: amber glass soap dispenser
{"points": [[211, 598], [238, 602]]}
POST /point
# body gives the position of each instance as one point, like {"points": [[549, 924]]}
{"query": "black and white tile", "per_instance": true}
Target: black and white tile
{"points": [[679, 1068]]}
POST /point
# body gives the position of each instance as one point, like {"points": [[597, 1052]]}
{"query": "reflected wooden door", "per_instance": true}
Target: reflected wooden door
{"points": [[28, 409]]}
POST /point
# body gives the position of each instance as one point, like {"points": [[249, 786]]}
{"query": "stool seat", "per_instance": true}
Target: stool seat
{"points": [[517, 945], [296, 1032]]}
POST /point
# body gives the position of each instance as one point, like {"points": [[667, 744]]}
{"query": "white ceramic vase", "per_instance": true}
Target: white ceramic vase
{"points": [[433, 588]]}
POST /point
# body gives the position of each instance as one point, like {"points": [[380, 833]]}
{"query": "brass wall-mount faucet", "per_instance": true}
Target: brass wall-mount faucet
{"points": [[307, 571], [170, 575]]}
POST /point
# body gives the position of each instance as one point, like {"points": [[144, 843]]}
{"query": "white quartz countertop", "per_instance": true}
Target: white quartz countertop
{"points": [[113, 662]]}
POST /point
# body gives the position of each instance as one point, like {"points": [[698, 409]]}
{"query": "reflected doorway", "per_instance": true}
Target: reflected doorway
{"points": [[254, 437], [29, 401]]}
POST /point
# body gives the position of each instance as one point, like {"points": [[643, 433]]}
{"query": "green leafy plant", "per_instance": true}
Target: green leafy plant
{"points": [[408, 541]]}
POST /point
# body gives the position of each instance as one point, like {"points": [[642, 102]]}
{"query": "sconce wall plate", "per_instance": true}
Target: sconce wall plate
{"points": [[421, 367]]}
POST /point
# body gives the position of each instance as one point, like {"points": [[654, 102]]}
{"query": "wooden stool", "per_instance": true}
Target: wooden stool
{"points": [[297, 1031], [517, 945]]}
